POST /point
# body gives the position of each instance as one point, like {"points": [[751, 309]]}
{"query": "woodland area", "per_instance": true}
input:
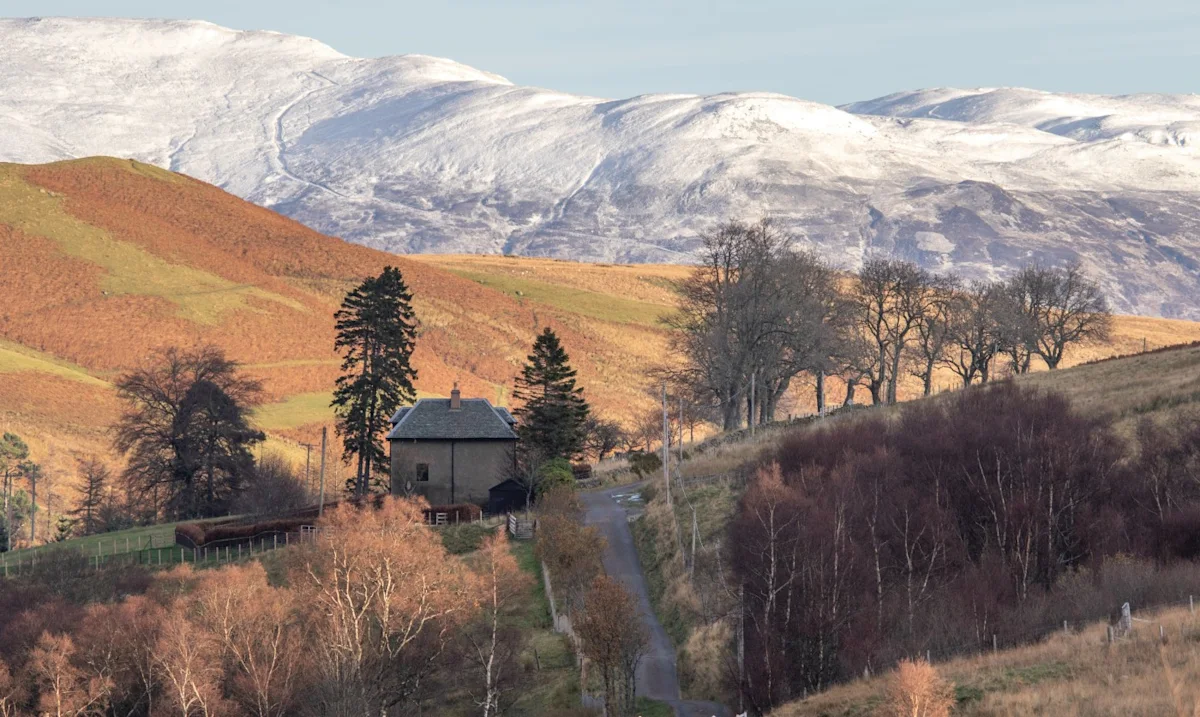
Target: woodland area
{"points": [[978, 516]]}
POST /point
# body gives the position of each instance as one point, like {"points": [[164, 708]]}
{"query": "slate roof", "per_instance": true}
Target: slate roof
{"points": [[431, 419]]}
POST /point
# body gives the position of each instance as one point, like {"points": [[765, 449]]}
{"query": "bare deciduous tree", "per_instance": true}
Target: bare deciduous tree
{"points": [[614, 638], [386, 600], [492, 646], [258, 635], [889, 298], [756, 311], [933, 328], [186, 431], [974, 331]]}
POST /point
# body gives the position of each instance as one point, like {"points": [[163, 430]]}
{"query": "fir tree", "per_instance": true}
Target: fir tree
{"points": [[552, 418], [376, 334]]}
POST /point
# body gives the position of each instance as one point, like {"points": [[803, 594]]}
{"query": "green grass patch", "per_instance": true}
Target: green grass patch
{"points": [[605, 307], [1009, 679], [647, 707], [551, 677], [1041, 672], [200, 296], [465, 538], [966, 694], [105, 544], [538, 611], [298, 410], [15, 358]]}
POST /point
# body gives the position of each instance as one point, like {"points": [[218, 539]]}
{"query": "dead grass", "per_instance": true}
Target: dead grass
{"points": [[1066, 675], [1155, 384]]}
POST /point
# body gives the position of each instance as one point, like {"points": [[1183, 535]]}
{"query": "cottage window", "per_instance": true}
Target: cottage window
{"points": [[422, 472]]}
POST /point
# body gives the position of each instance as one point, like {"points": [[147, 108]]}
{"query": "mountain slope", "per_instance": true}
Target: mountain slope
{"points": [[418, 154], [108, 260]]}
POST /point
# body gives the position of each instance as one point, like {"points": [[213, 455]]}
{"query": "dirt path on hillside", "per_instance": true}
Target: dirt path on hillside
{"points": [[657, 677]]}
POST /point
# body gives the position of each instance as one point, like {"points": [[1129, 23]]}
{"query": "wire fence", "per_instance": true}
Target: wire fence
{"points": [[146, 553], [1123, 625]]}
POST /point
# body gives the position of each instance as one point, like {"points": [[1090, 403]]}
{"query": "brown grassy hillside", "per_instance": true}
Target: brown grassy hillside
{"points": [[106, 260], [1078, 673]]}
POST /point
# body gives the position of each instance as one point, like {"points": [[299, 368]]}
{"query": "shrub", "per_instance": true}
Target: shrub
{"points": [[196, 535], [644, 464], [563, 501], [274, 489], [1178, 536], [917, 690], [554, 473]]}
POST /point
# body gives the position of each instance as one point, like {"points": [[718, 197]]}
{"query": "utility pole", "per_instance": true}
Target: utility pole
{"points": [[308, 467], [33, 476], [681, 430], [666, 448], [741, 647], [8, 516], [321, 503]]}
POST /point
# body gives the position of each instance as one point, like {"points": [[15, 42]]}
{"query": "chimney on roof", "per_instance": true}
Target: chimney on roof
{"points": [[455, 398]]}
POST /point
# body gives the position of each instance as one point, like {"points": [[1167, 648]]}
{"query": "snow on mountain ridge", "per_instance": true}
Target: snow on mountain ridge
{"points": [[416, 153], [1079, 116]]}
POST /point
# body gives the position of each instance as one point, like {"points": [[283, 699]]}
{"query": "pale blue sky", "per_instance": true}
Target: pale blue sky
{"points": [[834, 52]]}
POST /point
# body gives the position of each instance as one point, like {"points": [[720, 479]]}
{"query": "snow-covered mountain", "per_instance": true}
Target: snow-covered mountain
{"points": [[416, 153]]}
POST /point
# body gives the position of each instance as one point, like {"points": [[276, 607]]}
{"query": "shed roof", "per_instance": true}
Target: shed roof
{"points": [[432, 419]]}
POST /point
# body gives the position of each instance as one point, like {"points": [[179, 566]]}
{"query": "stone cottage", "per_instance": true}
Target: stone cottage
{"points": [[451, 450]]}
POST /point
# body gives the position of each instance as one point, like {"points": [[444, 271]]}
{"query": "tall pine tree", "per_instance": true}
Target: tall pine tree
{"points": [[376, 334], [553, 411]]}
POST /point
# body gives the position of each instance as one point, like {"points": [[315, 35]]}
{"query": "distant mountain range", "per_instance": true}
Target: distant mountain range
{"points": [[419, 154]]}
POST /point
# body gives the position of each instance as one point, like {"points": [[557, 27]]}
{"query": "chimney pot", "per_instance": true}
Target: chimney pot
{"points": [[455, 398]]}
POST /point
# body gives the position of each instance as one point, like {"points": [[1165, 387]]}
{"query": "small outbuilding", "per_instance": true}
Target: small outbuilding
{"points": [[452, 450], [506, 497]]}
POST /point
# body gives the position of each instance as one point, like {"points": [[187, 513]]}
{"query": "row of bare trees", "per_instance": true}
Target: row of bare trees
{"points": [[757, 313], [373, 617], [994, 513]]}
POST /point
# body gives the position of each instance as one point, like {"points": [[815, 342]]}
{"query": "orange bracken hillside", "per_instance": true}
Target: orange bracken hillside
{"points": [[106, 260], [103, 261]]}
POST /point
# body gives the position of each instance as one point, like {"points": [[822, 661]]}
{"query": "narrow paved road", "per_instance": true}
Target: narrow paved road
{"points": [[657, 677]]}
